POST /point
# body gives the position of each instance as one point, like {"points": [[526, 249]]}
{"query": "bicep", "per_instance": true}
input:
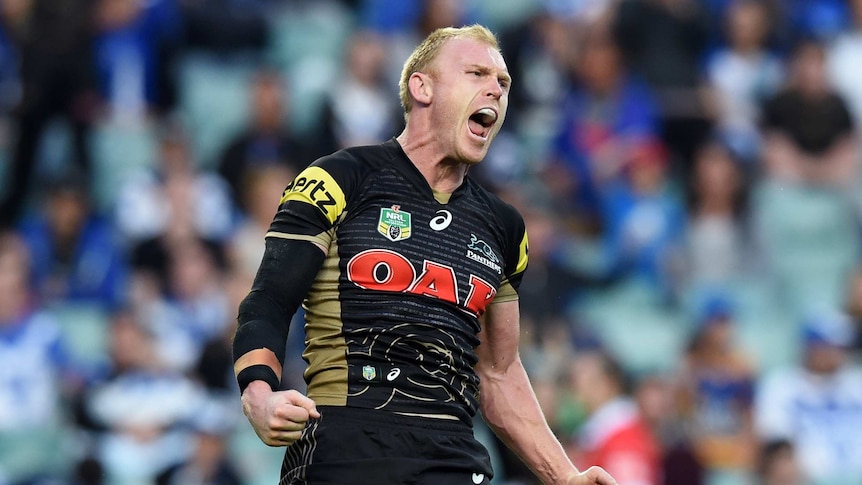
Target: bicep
{"points": [[498, 347]]}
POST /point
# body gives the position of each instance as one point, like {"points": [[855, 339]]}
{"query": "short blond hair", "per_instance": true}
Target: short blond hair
{"points": [[427, 51]]}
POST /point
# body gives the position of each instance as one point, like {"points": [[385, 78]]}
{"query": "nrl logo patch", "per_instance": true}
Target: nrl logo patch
{"points": [[369, 373], [394, 223]]}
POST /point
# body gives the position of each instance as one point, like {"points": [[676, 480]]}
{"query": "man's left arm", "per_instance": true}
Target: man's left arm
{"points": [[510, 407]]}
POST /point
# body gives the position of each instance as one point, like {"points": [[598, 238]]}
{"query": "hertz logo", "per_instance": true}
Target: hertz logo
{"points": [[316, 187]]}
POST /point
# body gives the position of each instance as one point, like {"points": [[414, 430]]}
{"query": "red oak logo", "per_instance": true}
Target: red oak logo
{"points": [[385, 270]]}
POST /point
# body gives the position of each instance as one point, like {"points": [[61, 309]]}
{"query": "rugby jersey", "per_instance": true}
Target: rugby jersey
{"points": [[393, 315]]}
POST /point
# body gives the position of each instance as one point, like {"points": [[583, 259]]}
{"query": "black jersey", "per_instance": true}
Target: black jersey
{"points": [[392, 317]]}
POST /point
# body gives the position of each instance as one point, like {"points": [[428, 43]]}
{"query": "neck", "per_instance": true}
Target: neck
{"points": [[442, 173]]}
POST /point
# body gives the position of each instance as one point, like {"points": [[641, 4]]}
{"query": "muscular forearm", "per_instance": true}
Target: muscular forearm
{"points": [[510, 407]]}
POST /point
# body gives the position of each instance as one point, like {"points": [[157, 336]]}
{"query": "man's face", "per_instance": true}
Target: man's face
{"points": [[470, 96]]}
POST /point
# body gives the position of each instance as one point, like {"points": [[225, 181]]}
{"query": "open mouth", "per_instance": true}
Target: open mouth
{"points": [[481, 121]]}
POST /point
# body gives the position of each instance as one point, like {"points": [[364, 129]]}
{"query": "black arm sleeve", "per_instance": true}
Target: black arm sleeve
{"points": [[286, 273]]}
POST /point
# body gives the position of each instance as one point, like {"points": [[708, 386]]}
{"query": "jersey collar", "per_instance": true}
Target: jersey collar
{"points": [[404, 165]]}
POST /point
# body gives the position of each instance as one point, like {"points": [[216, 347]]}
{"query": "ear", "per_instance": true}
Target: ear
{"points": [[420, 85]]}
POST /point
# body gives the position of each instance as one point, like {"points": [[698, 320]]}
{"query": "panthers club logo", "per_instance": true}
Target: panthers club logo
{"points": [[480, 251], [394, 223]]}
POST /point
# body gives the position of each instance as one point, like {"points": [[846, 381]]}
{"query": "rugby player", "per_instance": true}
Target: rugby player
{"points": [[409, 273]]}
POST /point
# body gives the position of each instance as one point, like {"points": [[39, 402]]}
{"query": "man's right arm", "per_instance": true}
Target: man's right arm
{"points": [[296, 246], [286, 273]]}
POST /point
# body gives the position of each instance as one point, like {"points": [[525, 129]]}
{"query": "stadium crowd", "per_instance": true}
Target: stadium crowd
{"points": [[689, 173]]}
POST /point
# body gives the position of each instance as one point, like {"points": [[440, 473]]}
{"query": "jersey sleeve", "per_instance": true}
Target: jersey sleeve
{"points": [[516, 258], [314, 202]]}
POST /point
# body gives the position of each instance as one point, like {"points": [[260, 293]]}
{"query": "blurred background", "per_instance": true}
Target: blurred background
{"points": [[689, 173]]}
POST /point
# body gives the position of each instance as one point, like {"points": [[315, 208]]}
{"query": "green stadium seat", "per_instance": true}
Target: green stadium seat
{"points": [[810, 240], [213, 106], [643, 334], [42, 451], [118, 151], [306, 45], [498, 19], [85, 332], [258, 464]]}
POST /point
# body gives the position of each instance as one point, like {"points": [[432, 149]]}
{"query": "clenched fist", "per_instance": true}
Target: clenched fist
{"points": [[592, 476], [278, 417]]}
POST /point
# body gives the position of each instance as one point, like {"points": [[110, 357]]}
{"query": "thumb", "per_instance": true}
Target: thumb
{"points": [[298, 399], [600, 476]]}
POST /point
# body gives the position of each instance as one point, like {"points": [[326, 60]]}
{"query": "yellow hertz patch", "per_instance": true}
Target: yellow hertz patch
{"points": [[524, 250], [315, 186]]}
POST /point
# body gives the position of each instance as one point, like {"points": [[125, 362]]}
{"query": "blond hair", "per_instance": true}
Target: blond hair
{"points": [[427, 51]]}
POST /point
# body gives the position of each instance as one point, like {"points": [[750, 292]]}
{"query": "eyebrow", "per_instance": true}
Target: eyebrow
{"points": [[486, 70]]}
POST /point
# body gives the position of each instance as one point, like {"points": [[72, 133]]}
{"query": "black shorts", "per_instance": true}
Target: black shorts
{"points": [[349, 446]]}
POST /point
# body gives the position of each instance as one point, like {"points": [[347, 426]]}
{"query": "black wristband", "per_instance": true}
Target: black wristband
{"points": [[257, 372]]}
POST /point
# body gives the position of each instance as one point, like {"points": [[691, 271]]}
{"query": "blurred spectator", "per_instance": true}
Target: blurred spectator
{"points": [[551, 286], [214, 368], [716, 384], [419, 18], [388, 16], [809, 134], [581, 13], [162, 210], [664, 41], [818, 405], [360, 110], [34, 370], [52, 41], [262, 188], [141, 408], [175, 199], [777, 464], [844, 62], [193, 310], [225, 27], [209, 461], [656, 399], [77, 258], [606, 117], [10, 14], [615, 436], [645, 222], [744, 73], [717, 240], [134, 46], [818, 19], [538, 52], [266, 141], [215, 421]]}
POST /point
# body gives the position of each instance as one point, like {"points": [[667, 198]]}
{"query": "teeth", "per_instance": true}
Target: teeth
{"points": [[489, 115]]}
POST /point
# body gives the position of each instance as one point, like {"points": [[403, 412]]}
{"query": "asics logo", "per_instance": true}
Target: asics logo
{"points": [[393, 374], [442, 221]]}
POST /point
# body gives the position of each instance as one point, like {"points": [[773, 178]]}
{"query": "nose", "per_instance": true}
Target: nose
{"points": [[494, 90]]}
